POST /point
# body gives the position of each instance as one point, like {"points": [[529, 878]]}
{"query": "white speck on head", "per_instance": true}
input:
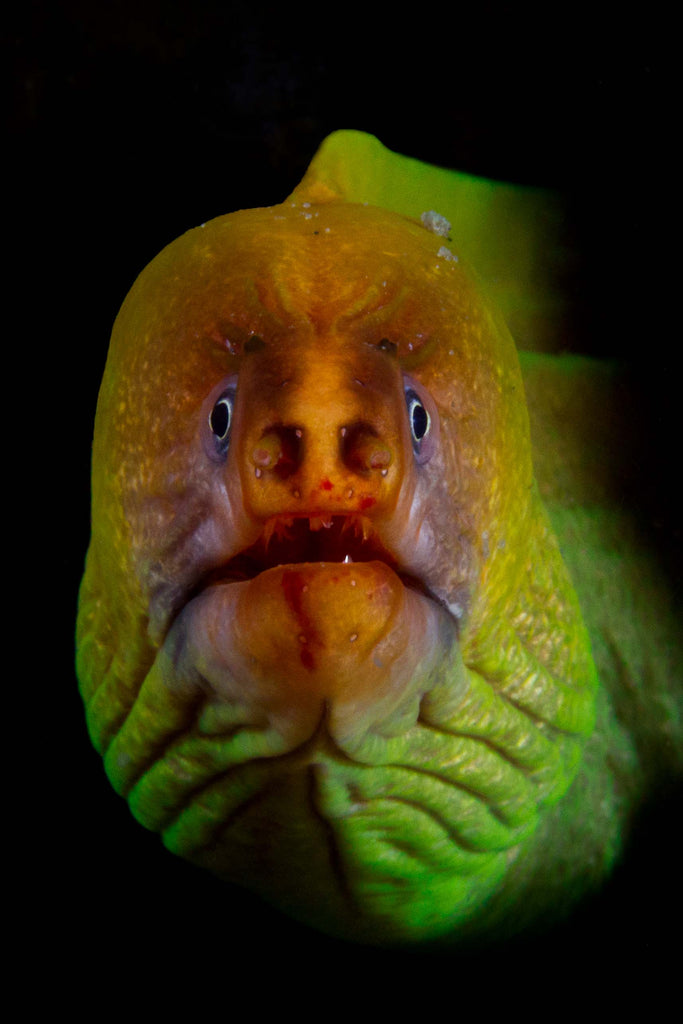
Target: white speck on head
{"points": [[446, 254], [455, 609], [436, 223], [306, 206], [354, 636]]}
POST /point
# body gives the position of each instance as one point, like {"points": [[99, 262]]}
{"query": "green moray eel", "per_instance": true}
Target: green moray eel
{"points": [[358, 628]]}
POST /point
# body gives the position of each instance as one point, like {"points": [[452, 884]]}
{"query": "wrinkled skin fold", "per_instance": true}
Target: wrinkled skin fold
{"points": [[327, 644]]}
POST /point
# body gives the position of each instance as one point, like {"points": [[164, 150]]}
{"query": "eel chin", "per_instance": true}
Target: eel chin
{"points": [[346, 639]]}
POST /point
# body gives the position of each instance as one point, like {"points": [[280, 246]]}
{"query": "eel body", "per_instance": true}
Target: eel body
{"points": [[357, 628]]}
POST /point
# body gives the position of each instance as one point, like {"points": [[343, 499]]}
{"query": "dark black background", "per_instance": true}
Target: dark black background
{"points": [[130, 123]]}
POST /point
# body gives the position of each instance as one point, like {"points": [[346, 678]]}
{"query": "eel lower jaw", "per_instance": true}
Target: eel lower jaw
{"points": [[316, 614]]}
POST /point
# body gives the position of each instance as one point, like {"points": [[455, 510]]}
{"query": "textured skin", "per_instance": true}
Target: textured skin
{"points": [[404, 725]]}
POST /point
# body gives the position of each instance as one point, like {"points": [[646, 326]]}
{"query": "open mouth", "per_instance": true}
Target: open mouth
{"points": [[310, 539]]}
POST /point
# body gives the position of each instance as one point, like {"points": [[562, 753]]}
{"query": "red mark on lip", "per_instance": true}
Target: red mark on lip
{"points": [[294, 584], [307, 658], [326, 485], [367, 502]]}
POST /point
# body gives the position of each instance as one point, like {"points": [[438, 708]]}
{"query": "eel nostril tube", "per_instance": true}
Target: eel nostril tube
{"points": [[268, 452], [277, 449], [363, 450]]}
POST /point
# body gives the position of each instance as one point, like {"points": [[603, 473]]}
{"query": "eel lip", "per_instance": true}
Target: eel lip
{"points": [[292, 540]]}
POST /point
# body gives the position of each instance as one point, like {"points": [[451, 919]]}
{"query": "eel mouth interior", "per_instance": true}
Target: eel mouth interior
{"points": [[304, 539]]}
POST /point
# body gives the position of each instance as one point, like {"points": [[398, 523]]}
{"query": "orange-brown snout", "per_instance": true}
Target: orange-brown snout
{"points": [[322, 440]]}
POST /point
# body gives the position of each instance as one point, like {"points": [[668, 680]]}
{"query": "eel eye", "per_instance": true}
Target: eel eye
{"points": [[423, 420], [220, 418], [217, 419], [418, 418]]}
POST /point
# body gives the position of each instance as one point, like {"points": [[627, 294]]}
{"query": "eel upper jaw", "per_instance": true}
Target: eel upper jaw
{"points": [[314, 538]]}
